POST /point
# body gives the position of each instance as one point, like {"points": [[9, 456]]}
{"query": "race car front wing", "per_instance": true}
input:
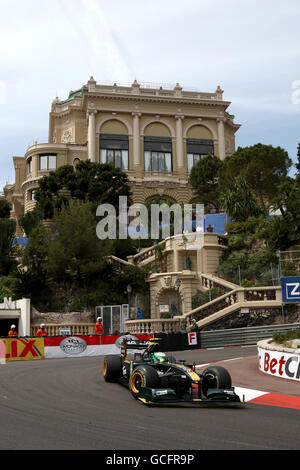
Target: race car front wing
{"points": [[157, 396]]}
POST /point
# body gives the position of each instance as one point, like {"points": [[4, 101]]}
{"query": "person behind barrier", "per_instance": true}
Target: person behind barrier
{"points": [[13, 332], [42, 331], [194, 327], [99, 327], [139, 314]]}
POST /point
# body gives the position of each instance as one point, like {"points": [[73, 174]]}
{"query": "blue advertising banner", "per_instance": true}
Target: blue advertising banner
{"points": [[290, 289]]}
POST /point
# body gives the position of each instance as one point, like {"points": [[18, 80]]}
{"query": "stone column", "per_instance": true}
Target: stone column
{"points": [[92, 137], [221, 137], [179, 142], [136, 139], [35, 166], [175, 260]]}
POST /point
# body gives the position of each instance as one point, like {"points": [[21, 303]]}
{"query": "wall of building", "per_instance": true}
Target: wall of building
{"points": [[76, 125]]}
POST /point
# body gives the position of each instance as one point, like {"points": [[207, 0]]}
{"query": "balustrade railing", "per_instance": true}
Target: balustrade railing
{"points": [[78, 329], [211, 282], [154, 326], [241, 296]]}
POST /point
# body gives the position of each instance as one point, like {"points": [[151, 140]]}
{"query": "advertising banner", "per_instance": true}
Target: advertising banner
{"points": [[22, 349], [84, 346], [290, 289], [279, 364], [192, 338]]}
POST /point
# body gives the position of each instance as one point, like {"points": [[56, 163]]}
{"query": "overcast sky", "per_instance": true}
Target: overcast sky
{"points": [[250, 48]]}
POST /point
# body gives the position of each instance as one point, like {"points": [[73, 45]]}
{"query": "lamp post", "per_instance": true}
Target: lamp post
{"points": [[129, 290], [178, 284]]}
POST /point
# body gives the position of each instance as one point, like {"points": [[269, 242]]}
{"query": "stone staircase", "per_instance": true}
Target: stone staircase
{"points": [[235, 299]]}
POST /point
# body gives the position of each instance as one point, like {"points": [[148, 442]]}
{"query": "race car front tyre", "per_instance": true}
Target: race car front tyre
{"points": [[215, 377], [143, 376], [112, 368]]}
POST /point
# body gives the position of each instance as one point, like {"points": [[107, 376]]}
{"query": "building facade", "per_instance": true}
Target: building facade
{"points": [[154, 133]]}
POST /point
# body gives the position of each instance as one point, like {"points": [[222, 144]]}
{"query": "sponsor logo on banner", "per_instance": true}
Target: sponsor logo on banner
{"points": [[280, 364], [193, 341], [24, 349], [79, 346], [129, 338], [290, 289], [73, 346]]}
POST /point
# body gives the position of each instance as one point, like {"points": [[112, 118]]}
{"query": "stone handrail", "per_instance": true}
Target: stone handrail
{"points": [[78, 329], [154, 326], [234, 300], [209, 281], [145, 255], [118, 261]]}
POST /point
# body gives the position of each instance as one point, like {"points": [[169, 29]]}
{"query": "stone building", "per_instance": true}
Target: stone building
{"points": [[154, 133]]}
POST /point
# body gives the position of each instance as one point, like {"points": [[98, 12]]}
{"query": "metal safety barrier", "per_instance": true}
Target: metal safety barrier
{"points": [[242, 336]]}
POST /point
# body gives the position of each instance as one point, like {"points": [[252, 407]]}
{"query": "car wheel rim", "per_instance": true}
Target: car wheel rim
{"points": [[137, 381]]}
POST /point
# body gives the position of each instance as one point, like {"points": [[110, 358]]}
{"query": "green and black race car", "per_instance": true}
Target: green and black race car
{"points": [[153, 378]]}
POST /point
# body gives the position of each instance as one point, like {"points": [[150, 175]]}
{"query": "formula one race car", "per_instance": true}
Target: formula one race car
{"points": [[154, 378]]}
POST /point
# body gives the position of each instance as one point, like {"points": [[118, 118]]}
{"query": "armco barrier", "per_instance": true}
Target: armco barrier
{"points": [[243, 336]]}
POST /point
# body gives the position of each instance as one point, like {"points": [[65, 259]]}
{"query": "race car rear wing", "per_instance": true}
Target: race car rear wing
{"points": [[140, 345], [137, 344]]}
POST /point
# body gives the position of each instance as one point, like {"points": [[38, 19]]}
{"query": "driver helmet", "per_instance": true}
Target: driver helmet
{"points": [[160, 357], [99, 319], [43, 326]]}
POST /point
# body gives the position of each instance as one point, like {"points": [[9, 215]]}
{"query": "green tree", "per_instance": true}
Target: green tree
{"points": [[88, 182], [31, 220], [204, 180], [283, 231], [7, 231], [239, 201], [36, 252], [75, 252], [4, 209], [248, 257], [262, 166]]}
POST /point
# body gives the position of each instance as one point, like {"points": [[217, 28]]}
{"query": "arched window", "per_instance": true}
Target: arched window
{"points": [[114, 148], [29, 165], [198, 149], [76, 161], [158, 154]]}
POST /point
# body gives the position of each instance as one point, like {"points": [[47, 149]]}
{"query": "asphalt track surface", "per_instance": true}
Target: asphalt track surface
{"points": [[64, 404]]}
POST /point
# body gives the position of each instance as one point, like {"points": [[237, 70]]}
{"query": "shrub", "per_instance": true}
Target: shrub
{"points": [[283, 338]]}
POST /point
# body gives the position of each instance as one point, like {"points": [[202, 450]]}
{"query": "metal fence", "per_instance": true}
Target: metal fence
{"points": [[242, 336]]}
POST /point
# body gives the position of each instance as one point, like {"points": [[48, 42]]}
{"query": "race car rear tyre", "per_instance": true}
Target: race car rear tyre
{"points": [[216, 377], [143, 376], [112, 368]]}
